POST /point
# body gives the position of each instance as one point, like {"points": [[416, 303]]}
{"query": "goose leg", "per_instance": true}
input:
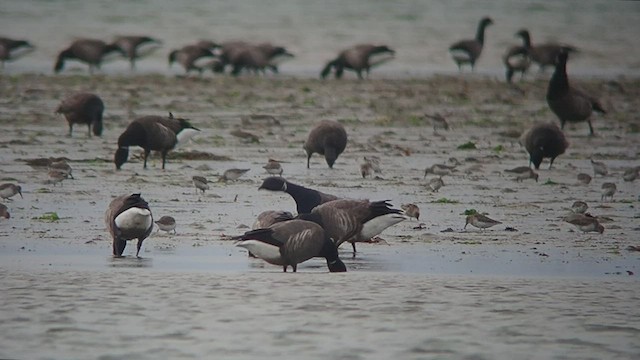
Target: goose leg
{"points": [[590, 128], [118, 247], [140, 240]]}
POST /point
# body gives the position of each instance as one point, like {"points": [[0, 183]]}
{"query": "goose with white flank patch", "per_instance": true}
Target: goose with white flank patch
{"points": [[128, 217], [83, 108], [306, 199], [468, 51]]}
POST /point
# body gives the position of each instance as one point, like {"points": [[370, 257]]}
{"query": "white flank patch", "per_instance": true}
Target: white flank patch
{"points": [[113, 55], [279, 59], [460, 55], [203, 62], [134, 218], [20, 52], [147, 48], [264, 251], [378, 59], [185, 135], [375, 226]]}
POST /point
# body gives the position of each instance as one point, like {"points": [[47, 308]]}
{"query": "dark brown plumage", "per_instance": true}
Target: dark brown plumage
{"points": [[89, 51], [12, 49], [189, 55], [134, 47], [306, 199], [568, 103], [128, 217], [544, 141], [543, 54], [255, 58], [358, 58], [468, 51], [270, 217], [83, 108], [516, 60], [328, 138], [155, 133]]}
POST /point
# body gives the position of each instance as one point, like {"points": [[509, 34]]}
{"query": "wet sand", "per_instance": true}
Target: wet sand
{"points": [[392, 288]]}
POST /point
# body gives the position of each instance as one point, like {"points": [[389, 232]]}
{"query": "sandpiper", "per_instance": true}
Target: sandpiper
{"points": [[166, 223], [480, 221], [523, 173], [435, 184], [438, 122], [61, 166], [201, 183], [232, 174], [584, 179], [366, 169], [56, 176], [585, 223], [579, 207], [439, 169], [4, 211], [411, 210], [274, 167], [630, 174], [608, 189], [599, 168], [8, 190]]}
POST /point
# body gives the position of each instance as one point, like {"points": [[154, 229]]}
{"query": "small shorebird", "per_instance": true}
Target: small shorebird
{"points": [[599, 168], [579, 207], [584, 179], [273, 167], [480, 221], [56, 176], [4, 211], [201, 183], [167, 224], [366, 169], [232, 174], [438, 122], [608, 189], [585, 223], [435, 184], [523, 173], [61, 166], [8, 190], [411, 210], [630, 174], [439, 170]]}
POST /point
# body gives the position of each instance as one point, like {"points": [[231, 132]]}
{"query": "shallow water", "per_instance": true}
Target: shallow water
{"points": [[420, 31]]}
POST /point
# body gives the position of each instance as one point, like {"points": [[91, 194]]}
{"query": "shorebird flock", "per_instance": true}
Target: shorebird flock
{"points": [[323, 222]]}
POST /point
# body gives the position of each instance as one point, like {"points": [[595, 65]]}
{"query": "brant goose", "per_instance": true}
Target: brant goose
{"points": [[358, 58], [201, 183], [150, 133], [83, 108], [8, 190], [579, 207], [135, 47], [599, 168], [354, 220], [516, 59], [270, 217], [544, 141], [585, 223], [523, 173], [480, 221], [290, 243], [608, 189], [306, 199], [275, 55], [128, 217], [190, 57], [328, 138], [4, 211], [568, 103], [468, 51], [90, 51], [167, 224], [257, 58], [544, 55], [12, 49]]}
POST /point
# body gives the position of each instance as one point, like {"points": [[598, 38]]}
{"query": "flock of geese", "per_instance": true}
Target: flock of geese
{"points": [[324, 221]]}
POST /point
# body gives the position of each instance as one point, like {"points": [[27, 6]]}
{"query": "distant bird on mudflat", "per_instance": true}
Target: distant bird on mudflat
{"points": [[166, 224], [306, 199], [568, 103], [128, 217], [83, 108], [90, 51], [631, 174], [544, 140], [8, 190], [61, 166], [608, 189], [516, 60], [468, 51], [232, 174], [201, 183], [435, 184], [358, 58], [584, 179], [12, 49], [542, 54], [354, 220], [579, 207], [585, 223], [290, 243], [439, 170], [523, 173], [480, 221], [599, 168], [366, 169], [328, 138], [4, 211], [273, 167], [56, 177], [191, 57], [438, 122], [411, 210], [135, 47], [152, 132]]}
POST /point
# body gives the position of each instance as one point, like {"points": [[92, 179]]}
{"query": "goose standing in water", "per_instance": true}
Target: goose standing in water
{"points": [[306, 199], [358, 58], [83, 108], [151, 133], [468, 51], [89, 51], [128, 217], [290, 243], [568, 103], [12, 49], [135, 47], [328, 138]]}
